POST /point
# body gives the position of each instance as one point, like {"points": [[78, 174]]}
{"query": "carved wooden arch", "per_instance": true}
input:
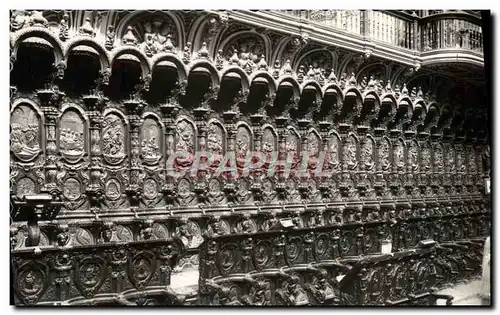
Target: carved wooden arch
{"points": [[218, 123], [89, 42], [296, 87], [272, 84], [366, 68], [405, 100], [267, 41], [376, 98], [389, 98], [277, 53], [214, 74], [335, 87], [44, 33], [179, 26], [244, 124], [195, 35], [245, 81], [317, 87], [298, 58], [143, 60], [357, 95], [181, 68]]}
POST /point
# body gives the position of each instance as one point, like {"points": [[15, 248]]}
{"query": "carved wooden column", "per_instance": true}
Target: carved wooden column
{"points": [[256, 185], [50, 99], [436, 139], [95, 189], [304, 152], [201, 116], [169, 111], [229, 122], [379, 176], [281, 123], [324, 128], [362, 185], [448, 159], [459, 164], [409, 136], [344, 129]]}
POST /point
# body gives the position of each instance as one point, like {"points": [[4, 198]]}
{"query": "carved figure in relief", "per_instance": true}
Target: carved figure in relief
{"points": [[291, 147], [215, 144], [150, 148], [72, 189], [110, 37], [215, 194], [19, 19], [25, 186], [426, 157], [242, 146], [31, 282], [184, 144], [268, 145], [368, 154], [333, 152], [413, 157], [399, 156], [71, 140], [24, 135], [438, 158], [384, 154], [313, 150], [113, 138], [350, 153]]}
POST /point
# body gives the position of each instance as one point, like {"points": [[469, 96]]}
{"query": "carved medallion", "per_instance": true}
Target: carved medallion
{"points": [[72, 189], [141, 269], [113, 189], [262, 254], [150, 141], [71, 136], [90, 275], [123, 234], [25, 186], [31, 282], [25, 133], [160, 232], [83, 237], [113, 139], [321, 247], [293, 249], [150, 188], [227, 257]]}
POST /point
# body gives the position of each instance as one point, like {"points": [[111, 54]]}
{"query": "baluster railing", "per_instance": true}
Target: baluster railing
{"points": [[438, 29]]}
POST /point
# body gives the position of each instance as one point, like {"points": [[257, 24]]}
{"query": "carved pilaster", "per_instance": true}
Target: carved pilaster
{"points": [[95, 189], [50, 99], [134, 108]]}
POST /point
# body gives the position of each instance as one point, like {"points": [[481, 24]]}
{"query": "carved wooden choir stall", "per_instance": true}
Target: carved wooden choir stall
{"points": [[101, 102]]}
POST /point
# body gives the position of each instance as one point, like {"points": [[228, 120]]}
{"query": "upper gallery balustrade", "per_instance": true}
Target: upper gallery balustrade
{"points": [[423, 31]]}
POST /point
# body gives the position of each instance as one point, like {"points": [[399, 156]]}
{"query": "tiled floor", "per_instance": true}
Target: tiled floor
{"points": [[464, 293]]}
